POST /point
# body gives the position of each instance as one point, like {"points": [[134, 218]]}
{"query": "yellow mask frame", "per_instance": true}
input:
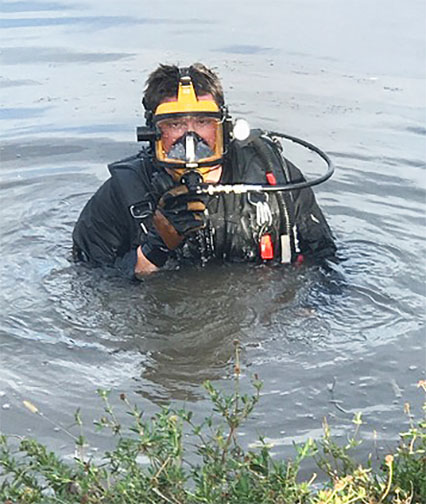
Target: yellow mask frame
{"points": [[187, 101]]}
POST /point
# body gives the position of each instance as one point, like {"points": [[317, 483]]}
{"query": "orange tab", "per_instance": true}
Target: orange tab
{"points": [[266, 247], [270, 177]]}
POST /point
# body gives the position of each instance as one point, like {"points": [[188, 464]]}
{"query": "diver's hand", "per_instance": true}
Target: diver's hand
{"points": [[178, 214]]}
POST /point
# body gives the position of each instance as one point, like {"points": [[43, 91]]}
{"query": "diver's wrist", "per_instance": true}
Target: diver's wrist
{"points": [[143, 266], [155, 254]]}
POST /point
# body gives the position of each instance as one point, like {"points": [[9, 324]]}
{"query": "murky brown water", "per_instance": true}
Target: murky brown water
{"points": [[347, 76]]}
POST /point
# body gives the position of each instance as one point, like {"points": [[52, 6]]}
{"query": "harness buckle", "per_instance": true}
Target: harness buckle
{"points": [[141, 210]]}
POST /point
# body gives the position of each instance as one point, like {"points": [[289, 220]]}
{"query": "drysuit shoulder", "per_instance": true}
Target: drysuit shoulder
{"points": [[131, 177], [137, 164]]}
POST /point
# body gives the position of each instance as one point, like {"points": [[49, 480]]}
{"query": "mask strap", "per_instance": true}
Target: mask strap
{"points": [[184, 74]]}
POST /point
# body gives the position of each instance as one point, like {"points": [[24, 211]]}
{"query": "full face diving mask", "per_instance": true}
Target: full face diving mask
{"points": [[189, 132]]}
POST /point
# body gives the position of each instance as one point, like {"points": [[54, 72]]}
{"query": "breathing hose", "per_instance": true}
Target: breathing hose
{"points": [[245, 188]]}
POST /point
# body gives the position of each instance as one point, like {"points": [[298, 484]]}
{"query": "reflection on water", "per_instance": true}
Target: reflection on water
{"points": [[184, 323], [357, 327]]}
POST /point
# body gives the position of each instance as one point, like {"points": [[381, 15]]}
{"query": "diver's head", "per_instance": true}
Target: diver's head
{"points": [[185, 106]]}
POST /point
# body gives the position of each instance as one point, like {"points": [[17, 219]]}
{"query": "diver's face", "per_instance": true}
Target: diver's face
{"points": [[174, 128]]}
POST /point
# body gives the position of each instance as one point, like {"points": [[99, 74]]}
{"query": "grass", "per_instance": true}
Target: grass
{"points": [[150, 462]]}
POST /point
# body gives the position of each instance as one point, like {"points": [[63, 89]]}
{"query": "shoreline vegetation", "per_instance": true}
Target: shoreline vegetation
{"points": [[149, 462]]}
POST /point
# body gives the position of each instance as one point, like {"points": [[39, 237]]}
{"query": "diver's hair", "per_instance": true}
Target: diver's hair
{"points": [[164, 82]]}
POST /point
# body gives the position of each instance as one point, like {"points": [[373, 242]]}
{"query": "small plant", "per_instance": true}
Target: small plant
{"points": [[401, 478], [150, 462]]}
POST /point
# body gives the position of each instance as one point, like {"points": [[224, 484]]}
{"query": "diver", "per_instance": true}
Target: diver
{"points": [[159, 209]]}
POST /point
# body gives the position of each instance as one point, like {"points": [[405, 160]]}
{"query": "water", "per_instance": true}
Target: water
{"points": [[349, 77]]}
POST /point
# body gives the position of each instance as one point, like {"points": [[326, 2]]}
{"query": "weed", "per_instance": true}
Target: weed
{"points": [[149, 463]]}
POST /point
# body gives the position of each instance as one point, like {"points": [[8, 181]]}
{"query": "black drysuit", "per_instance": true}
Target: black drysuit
{"points": [[116, 219]]}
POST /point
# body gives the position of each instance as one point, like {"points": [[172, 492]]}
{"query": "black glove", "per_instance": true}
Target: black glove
{"points": [[178, 214]]}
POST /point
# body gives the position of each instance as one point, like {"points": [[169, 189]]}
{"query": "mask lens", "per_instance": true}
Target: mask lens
{"points": [[193, 138], [204, 126], [176, 126]]}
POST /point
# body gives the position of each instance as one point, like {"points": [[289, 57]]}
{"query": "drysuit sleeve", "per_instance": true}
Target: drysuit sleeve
{"points": [[314, 235], [102, 234]]}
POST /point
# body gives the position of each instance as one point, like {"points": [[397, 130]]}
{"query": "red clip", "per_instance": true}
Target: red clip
{"points": [[299, 259], [270, 177], [266, 247]]}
